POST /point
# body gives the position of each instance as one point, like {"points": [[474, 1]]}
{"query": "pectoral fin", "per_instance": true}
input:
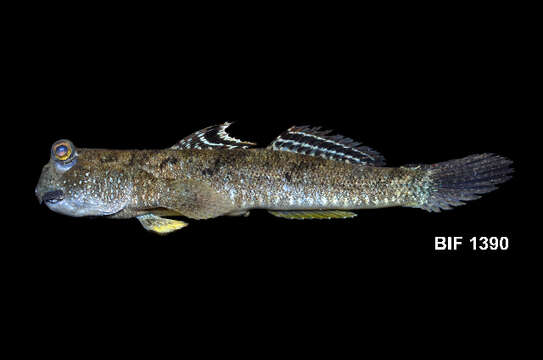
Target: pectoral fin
{"points": [[195, 200], [160, 225], [313, 214]]}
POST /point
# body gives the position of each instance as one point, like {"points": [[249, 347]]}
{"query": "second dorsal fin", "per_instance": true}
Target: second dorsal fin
{"points": [[211, 137], [313, 141]]}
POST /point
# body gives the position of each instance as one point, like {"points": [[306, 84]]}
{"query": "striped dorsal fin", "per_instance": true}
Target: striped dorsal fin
{"points": [[211, 137], [313, 141]]}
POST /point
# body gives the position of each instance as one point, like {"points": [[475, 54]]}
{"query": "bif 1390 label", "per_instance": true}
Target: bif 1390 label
{"points": [[476, 243]]}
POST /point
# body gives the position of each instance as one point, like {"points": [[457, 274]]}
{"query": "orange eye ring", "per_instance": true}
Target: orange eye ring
{"points": [[62, 150]]}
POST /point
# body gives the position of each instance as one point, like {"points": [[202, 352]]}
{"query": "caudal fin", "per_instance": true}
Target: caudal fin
{"points": [[455, 181]]}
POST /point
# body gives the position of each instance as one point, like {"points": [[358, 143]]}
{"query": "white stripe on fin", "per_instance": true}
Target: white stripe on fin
{"points": [[211, 137], [312, 141]]}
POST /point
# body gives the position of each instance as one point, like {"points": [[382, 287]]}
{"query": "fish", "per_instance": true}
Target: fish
{"points": [[305, 173]]}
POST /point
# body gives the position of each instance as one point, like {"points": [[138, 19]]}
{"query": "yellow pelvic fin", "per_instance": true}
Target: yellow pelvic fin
{"points": [[313, 214], [160, 225]]}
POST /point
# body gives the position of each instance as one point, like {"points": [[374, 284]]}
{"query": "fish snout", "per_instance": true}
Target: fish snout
{"points": [[52, 196]]}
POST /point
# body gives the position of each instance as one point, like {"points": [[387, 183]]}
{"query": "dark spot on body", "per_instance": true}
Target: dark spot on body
{"points": [[218, 163], [208, 172], [301, 167], [107, 158], [288, 177], [170, 160], [214, 168], [144, 158], [132, 160], [359, 171]]}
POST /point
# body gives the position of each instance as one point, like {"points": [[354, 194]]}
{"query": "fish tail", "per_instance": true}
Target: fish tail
{"points": [[450, 183]]}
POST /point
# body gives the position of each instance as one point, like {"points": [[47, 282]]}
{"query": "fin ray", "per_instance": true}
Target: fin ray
{"points": [[210, 138], [455, 181], [316, 142], [160, 225], [313, 214]]}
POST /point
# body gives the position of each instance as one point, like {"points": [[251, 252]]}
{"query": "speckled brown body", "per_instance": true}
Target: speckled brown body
{"points": [[243, 179], [305, 173]]}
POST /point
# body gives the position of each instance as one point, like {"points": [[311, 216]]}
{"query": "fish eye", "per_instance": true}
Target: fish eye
{"points": [[62, 150]]}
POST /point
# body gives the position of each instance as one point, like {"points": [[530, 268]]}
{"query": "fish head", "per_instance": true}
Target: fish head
{"points": [[73, 183]]}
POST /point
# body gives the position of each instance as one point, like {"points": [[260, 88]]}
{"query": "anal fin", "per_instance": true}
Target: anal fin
{"points": [[243, 213], [313, 214], [159, 224]]}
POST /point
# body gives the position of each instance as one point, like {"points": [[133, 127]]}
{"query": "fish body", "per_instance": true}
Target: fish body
{"points": [[304, 173]]}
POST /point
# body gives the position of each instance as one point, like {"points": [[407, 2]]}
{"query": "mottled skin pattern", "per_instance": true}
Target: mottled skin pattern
{"points": [[305, 173], [208, 183], [268, 179]]}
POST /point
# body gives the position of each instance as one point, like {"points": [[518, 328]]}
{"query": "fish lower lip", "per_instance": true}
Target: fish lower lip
{"points": [[53, 196]]}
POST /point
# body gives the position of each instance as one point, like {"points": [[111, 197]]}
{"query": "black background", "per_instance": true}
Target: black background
{"points": [[416, 91]]}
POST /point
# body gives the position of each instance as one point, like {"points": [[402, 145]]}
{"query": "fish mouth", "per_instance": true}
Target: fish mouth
{"points": [[53, 197]]}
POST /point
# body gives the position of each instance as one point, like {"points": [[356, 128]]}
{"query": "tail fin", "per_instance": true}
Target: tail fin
{"points": [[452, 182]]}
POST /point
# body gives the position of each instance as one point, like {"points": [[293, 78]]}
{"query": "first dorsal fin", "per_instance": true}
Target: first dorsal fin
{"points": [[211, 137], [313, 141]]}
